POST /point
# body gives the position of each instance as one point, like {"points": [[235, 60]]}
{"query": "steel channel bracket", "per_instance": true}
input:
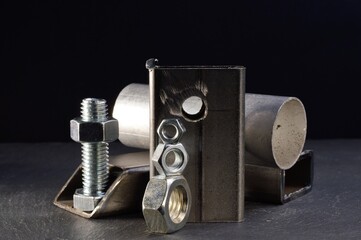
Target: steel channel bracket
{"points": [[129, 174], [215, 134], [274, 185]]}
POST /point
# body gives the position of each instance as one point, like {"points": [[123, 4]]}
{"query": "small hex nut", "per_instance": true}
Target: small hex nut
{"points": [[167, 137], [170, 159], [85, 203], [106, 131], [166, 204]]}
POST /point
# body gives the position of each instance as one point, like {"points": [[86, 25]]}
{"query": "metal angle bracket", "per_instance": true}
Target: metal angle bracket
{"points": [[128, 177]]}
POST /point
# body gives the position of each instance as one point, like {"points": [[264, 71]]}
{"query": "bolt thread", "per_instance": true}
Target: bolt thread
{"points": [[94, 155], [94, 110], [95, 168]]}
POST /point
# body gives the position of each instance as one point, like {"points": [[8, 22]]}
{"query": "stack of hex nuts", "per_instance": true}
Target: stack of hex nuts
{"points": [[167, 198]]}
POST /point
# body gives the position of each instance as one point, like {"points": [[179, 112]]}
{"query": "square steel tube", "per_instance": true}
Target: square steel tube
{"points": [[275, 185], [214, 141]]}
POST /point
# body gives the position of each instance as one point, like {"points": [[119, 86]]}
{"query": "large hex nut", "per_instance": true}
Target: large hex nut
{"points": [[85, 203], [170, 159], [166, 204], [106, 131], [171, 130]]}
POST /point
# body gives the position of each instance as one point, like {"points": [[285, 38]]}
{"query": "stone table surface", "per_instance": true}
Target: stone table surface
{"points": [[31, 174]]}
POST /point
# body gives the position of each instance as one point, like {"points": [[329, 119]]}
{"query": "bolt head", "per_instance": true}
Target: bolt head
{"points": [[85, 203], [106, 131]]}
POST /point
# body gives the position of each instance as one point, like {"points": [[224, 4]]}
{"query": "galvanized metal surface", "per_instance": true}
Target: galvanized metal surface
{"points": [[94, 129]]}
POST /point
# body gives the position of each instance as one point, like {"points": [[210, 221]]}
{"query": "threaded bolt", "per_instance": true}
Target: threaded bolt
{"points": [[94, 110], [94, 155], [94, 129]]}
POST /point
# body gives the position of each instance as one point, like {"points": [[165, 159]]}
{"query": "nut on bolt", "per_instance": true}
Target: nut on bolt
{"points": [[166, 204], [106, 131], [170, 159], [171, 130]]}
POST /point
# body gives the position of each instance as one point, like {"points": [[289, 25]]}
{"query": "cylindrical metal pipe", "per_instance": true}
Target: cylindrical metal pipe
{"points": [[275, 127], [132, 111]]}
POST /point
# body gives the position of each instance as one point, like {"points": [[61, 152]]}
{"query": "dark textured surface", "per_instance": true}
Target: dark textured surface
{"points": [[32, 174]]}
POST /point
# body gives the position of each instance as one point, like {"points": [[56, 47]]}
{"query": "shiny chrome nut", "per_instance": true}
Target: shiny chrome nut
{"points": [[170, 159], [85, 203], [171, 130], [166, 204], [105, 131]]}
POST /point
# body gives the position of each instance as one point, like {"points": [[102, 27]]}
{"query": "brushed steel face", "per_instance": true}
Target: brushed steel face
{"points": [[209, 100]]}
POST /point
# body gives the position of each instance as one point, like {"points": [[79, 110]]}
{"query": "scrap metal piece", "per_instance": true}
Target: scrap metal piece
{"points": [[275, 185], [128, 175], [215, 139]]}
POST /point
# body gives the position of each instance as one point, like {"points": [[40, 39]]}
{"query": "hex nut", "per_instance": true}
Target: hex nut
{"points": [[170, 159], [166, 204], [106, 131], [167, 137], [85, 203]]}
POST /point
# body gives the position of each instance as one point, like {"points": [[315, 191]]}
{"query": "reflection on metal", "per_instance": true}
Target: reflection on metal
{"points": [[215, 133], [132, 111], [128, 176], [275, 185]]}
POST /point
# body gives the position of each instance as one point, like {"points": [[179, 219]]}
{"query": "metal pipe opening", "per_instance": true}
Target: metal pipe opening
{"points": [[289, 133], [275, 129]]}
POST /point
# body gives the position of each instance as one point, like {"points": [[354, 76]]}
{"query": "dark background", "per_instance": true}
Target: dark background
{"points": [[54, 53]]}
